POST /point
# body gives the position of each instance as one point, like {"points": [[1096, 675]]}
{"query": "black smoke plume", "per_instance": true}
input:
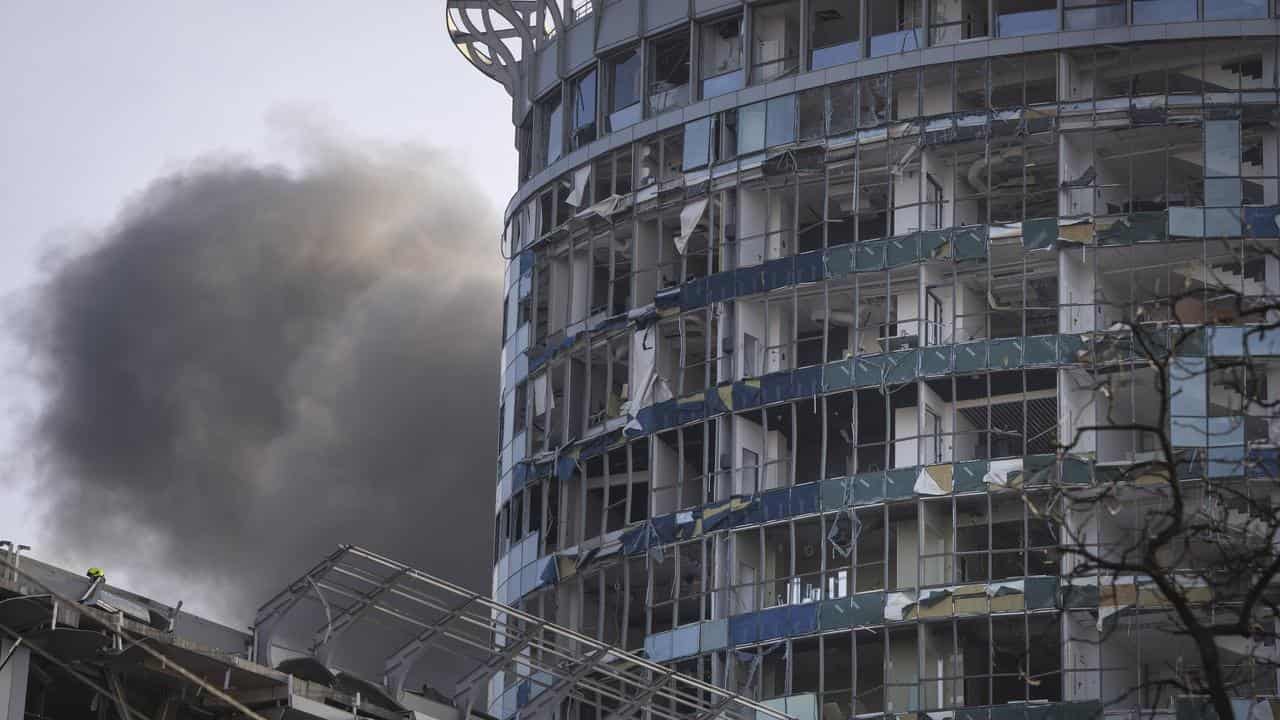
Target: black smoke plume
{"points": [[254, 364]]}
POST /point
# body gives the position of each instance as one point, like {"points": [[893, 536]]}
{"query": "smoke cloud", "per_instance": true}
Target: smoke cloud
{"points": [[253, 365]]}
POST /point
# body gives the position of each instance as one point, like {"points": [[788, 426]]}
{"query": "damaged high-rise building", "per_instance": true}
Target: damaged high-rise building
{"points": [[823, 319]]}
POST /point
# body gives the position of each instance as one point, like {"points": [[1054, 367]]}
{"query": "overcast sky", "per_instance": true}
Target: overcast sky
{"points": [[102, 99]]}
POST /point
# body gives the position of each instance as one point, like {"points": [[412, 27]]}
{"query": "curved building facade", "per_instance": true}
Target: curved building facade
{"points": [[806, 299]]}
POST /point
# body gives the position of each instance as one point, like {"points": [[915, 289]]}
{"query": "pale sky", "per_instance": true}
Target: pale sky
{"points": [[101, 98]]}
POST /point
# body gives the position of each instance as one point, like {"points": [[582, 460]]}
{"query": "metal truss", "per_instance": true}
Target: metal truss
{"points": [[412, 611]]}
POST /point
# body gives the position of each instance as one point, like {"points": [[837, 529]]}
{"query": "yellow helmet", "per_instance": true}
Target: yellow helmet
{"points": [[95, 573]]}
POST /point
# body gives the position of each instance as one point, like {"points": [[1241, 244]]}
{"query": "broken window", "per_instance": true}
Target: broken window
{"points": [[837, 543], [839, 429], [840, 217], [902, 671], [812, 112], [662, 583], [721, 58], [624, 89], [661, 157], [937, 94], [777, 584], [748, 561], [873, 105], [524, 148], [835, 33], [954, 20], [1023, 80], [1102, 171], [842, 108], [779, 448], [895, 26], [669, 72], [971, 86], [942, 670], [692, 604], [766, 224], [726, 133], [582, 129], [519, 408], [873, 202], [775, 47], [550, 129], [867, 533], [869, 672], [974, 636], [906, 94]]}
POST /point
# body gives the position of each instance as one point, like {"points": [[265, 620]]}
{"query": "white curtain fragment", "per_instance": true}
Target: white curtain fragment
{"points": [[580, 177], [999, 471], [608, 206], [690, 216], [540, 400]]}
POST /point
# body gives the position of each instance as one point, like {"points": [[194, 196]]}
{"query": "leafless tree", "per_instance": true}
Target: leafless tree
{"points": [[1181, 538]]}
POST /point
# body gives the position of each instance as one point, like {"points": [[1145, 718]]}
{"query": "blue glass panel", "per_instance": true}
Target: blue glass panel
{"points": [[836, 55], [1027, 23], [697, 143], [781, 121], [751, 124], [1095, 17], [1234, 9], [1189, 431], [715, 635], [1226, 461], [626, 117], [897, 42], [1222, 148], [1222, 222], [1225, 431], [1226, 341], [1186, 222], [1263, 341], [659, 646], [1188, 387], [722, 84], [1163, 11], [685, 641]]}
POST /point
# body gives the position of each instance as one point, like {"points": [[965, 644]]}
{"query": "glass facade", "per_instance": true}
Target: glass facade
{"points": [[785, 383]]}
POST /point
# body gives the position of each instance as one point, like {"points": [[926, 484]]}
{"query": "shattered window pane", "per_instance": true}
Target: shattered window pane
{"points": [[582, 129], [624, 89], [834, 33], [669, 72]]}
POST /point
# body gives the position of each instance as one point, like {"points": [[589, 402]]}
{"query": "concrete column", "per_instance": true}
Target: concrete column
{"points": [[13, 682]]}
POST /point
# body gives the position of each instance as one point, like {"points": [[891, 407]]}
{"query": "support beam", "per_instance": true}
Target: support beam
{"points": [[564, 686], [334, 628], [13, 679], [481, 674], [642, 698], [117, 691], [396, 668]]}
